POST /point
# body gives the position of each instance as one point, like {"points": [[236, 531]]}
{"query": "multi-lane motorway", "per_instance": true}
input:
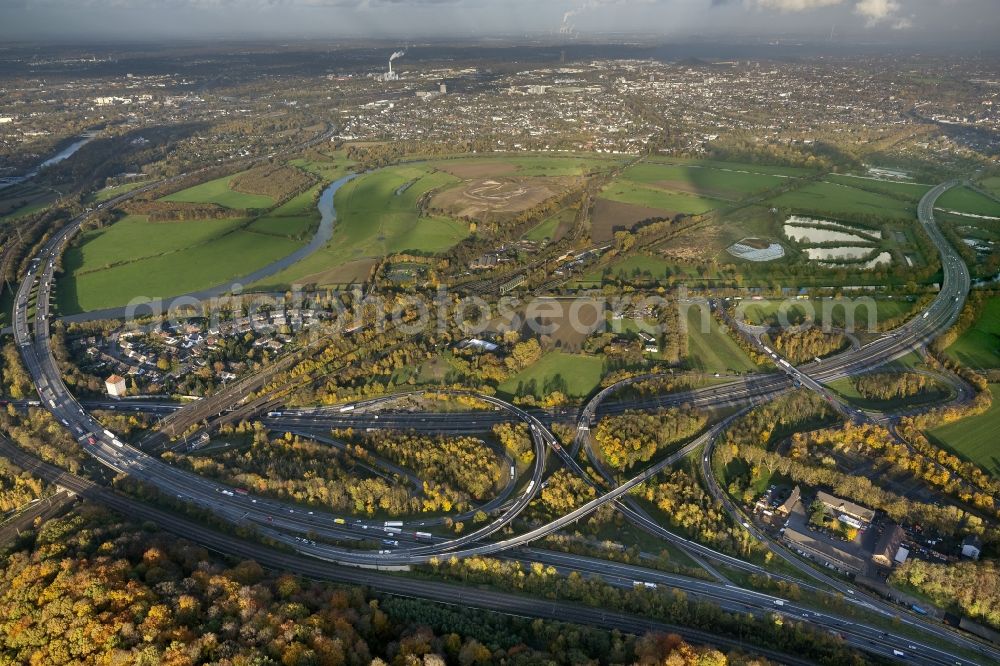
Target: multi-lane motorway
{"points": [[288, 523]]}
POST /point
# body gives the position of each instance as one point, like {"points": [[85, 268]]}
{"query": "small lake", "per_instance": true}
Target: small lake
{"points": [[814, 235], [835, 253]]}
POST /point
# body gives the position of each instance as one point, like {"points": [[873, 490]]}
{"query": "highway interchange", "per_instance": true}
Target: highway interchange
{"points": [[309, 533]]}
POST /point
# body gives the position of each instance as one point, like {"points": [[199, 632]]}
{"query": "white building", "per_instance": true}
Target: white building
{"points": [[116, 386]]}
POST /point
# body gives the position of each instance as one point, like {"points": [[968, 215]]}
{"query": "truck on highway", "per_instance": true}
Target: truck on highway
{"points": [[347, 408], [339, 521], [512, 472], [393, 530], [779, 602], [117, 442], [424, 537], [228, 493], [392, 543], [393, 523], [898, 653]]}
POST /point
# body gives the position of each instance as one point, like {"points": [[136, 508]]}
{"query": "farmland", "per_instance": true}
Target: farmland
{"points": [[770, 312], [293, 219], [911, 191], [991, 184], [974, 438], [834, 198], [659, 189], [979, 347], [729, 182], [670, 202], [552, 228], [218, 192], [164, 259], [964, 200], [525, 166], [377, 214]]}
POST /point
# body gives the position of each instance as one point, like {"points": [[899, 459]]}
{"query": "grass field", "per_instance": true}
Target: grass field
{"points": [[576, 375], [553, 166], [176, 272], [766, 312], [846, 389], [669, 201], [979, 347], [837, 199], [336, 167], [110, 192], [912, 191], [639, 264], [975, 438], [373, 220], [377, 217], [728, 182], [296, 218], [712, 350], [964, 200], [135, 258], [218, 192], [28, 209], [992, 184], [134, 237], [546, 230]]}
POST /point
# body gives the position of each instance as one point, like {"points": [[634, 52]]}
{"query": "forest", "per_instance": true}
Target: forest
{"points": [[633, 437], [464, 463], [90, 588], [972, 588], [803, 346], [892, 385], [301, 470]]}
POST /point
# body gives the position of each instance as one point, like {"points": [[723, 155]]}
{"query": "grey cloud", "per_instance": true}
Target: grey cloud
{"points": [[468, 18]]}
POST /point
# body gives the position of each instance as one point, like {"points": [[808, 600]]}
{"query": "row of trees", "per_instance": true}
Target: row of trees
{"points": [[947, 520], [659, 604], [878, 444]]}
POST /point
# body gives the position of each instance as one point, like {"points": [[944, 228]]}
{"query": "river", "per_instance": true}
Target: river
{"points": [[63, 154], [328, 215]]}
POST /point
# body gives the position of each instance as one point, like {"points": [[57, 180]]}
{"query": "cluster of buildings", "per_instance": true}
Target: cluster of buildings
{"points": [[157, 359], [591, 106], [859, 541]]}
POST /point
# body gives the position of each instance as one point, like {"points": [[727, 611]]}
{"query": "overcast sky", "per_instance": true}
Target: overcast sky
{"points": [[890, 21]]}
